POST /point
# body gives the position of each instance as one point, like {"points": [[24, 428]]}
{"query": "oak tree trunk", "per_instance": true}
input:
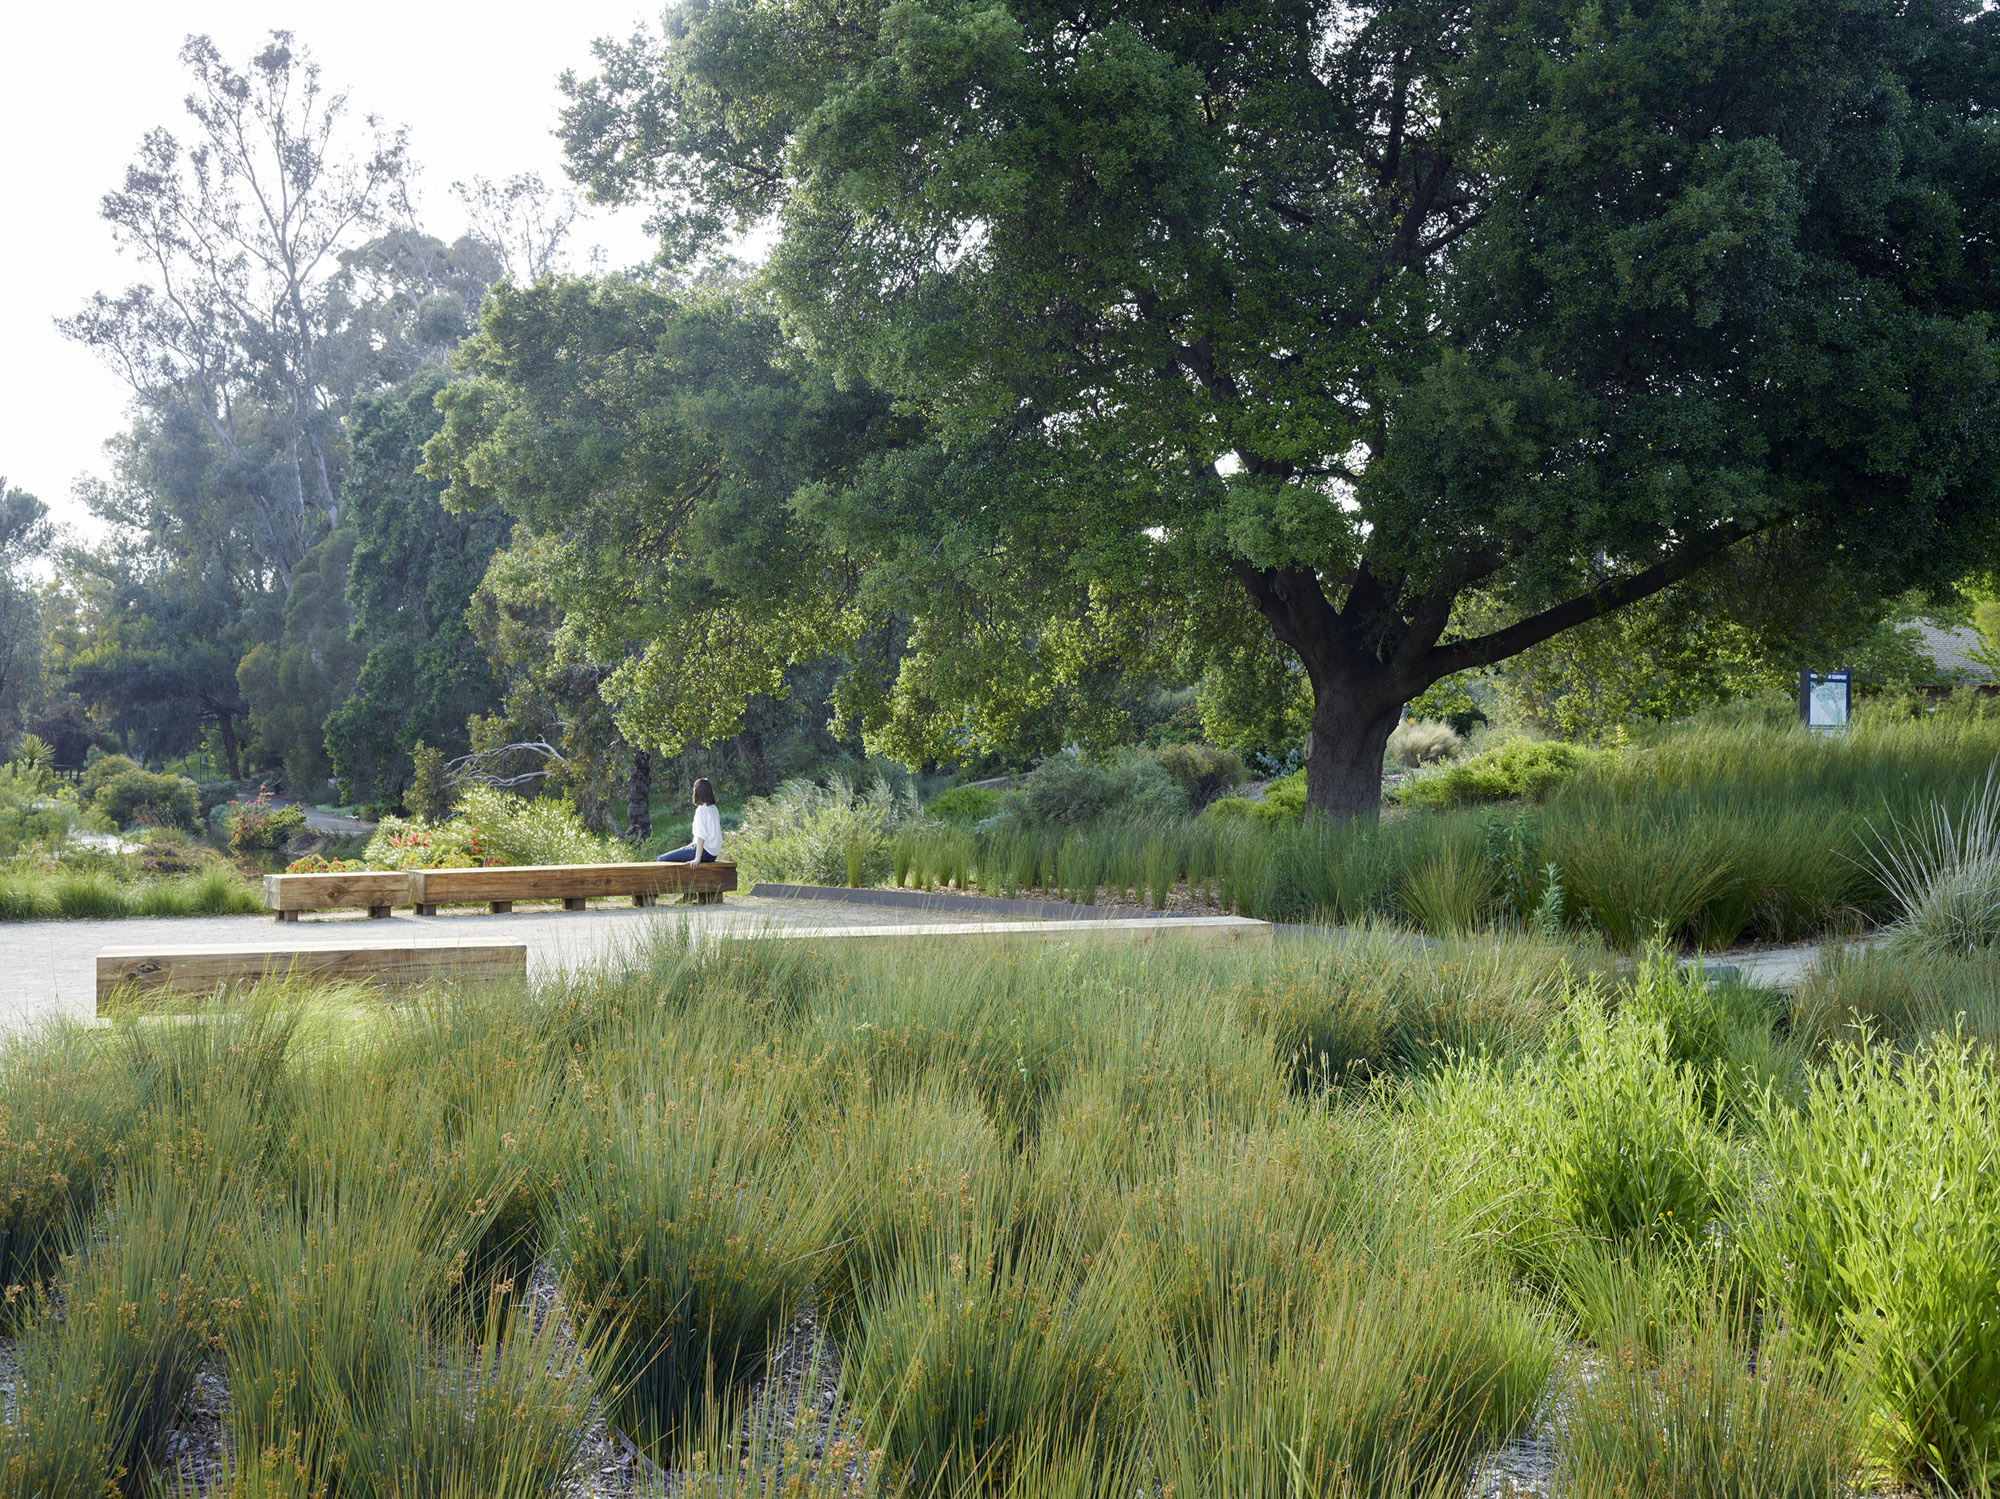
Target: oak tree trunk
{"points": [[1350, 732]]}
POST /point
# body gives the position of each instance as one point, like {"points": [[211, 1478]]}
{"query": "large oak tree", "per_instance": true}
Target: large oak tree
{"points": [[1301, 322]]}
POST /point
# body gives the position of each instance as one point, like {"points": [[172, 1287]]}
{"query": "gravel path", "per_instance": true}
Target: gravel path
{"points": [[49, 968]]}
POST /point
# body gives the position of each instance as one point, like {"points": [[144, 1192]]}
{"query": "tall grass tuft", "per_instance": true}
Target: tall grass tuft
{"points": [[108, 1360], [65, 1115], [328, 1298], [1942, 869], [495, 1410], [977, 1351], [1718, 1416], [689, 1255]]}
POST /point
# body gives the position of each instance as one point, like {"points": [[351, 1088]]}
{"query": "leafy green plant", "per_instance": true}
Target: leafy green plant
{"points": [[1880, 1237], [966, 803]]}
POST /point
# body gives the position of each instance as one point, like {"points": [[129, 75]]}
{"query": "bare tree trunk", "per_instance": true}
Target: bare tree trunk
{"points": [[230, 751], [639, 798]]}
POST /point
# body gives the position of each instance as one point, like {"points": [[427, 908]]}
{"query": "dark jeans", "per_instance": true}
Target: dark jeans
{"points": [[686, 856]]}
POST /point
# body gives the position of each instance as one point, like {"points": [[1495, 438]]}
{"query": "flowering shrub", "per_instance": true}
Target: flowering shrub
{"points": [[319, 864], [491, 828], [258, 824]]}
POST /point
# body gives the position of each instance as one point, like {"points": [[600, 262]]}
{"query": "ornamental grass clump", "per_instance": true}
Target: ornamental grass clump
{"points": [[108, 1355], [982, 1349], [691, 1242], [1879, 1238], [1715, 1414], [66, 1113], [1942, 870], [1389, 1376]]}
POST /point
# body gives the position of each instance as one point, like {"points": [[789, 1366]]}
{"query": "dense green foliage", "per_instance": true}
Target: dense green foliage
{"points": [[414, 570], [1373, 344]]}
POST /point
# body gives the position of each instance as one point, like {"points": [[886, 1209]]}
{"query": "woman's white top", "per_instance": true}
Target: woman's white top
{"points": [[707, 830]]}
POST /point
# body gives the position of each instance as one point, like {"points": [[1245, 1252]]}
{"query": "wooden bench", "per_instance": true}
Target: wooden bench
{"points": [[500, 886], [378, 890], [145, 971]]}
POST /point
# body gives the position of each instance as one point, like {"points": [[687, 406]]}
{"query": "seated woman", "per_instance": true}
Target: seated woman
{"points": [[707, 831]]}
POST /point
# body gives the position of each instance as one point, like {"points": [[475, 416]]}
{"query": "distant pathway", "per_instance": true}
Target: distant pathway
{"points": [[50, 967]]}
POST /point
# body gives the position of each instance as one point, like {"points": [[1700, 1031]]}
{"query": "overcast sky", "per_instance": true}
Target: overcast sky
{"points": [[81, 83]]}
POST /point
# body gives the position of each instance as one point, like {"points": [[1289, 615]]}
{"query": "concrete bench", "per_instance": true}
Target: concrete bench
{"points": [[573, 884], [148, 971], [378, 890]]}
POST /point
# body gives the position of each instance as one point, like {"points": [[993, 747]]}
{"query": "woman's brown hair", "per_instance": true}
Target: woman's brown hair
{"points": [[704, 794]]}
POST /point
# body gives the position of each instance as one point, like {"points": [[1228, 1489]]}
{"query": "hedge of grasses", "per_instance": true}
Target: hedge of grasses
{"points": [[39, 895], [1327, 1218], [1723, 834]]}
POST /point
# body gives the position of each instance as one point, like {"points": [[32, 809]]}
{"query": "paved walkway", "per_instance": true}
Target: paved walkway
{"points": [[50, 967]]}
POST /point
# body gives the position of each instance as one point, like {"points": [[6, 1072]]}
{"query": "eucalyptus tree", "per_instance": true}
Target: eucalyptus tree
{"points": [[240, 231], [1283, 328]]}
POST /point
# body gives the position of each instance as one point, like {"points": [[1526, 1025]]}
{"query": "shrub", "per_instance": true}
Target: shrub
{"points": [[100, 773], [319, 864], [256, 825], [139, 796], [1065, 791], [1880, 1233], [430, 797], [812, 834], [492, 828], [1284, 801], [1520, 769], [1423, 741], [967, 803], [1202, 771], [32, 811]]}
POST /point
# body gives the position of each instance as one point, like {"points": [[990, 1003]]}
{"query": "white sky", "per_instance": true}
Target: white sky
{"points": [[81, 83]]}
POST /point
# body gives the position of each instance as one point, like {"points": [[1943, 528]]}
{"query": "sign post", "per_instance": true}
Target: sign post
{"points": [[1824, 701]]}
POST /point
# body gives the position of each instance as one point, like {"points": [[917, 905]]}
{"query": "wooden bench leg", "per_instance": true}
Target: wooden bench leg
{"points": [[500, 907], [378, 913], [574, 902], [288, 916], [430, 910], [704, 898]]}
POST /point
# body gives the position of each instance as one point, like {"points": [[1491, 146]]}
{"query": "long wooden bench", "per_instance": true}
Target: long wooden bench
{"points": [[500, 886], [148, 971], [378, 890]]}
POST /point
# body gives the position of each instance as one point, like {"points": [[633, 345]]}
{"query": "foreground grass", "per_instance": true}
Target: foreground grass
{"points": [[1319, 1220]]}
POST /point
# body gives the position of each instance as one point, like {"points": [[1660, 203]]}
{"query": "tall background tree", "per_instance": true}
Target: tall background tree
{"points": [[1313, 333], [291, 315]]}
